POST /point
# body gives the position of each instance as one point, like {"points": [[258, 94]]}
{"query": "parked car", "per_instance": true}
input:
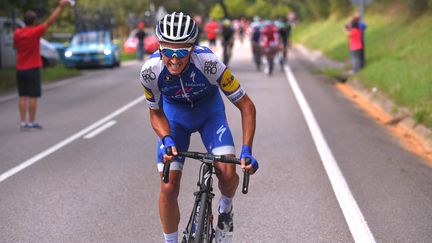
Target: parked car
{"points": [[61, 41], [49, 55], [92, 48], [151, 43]]}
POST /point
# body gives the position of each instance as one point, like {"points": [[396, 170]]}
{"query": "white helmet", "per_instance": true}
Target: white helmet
{"points": [[176, 28]]}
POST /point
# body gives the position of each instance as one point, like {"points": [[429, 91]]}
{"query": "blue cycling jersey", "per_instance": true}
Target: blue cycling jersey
{"points": [[191, 101], [201, 78]]}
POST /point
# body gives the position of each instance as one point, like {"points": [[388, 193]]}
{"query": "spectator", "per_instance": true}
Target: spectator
{"points": [[140, 35], [211, 28], [362, 26], [29, 61], [354, 34]]}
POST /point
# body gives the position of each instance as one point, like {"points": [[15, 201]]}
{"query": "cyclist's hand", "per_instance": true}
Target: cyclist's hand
{"points": [[168, 141], [247, 153]]}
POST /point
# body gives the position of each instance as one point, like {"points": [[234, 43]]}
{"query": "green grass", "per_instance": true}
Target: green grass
{"points": [[49, 75], [57, 73], [127, 57], [398, 57]]}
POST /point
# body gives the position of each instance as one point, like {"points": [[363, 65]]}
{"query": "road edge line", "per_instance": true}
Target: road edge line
{"points": [[351, 211]]}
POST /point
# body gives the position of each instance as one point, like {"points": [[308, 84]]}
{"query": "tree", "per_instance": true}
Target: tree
{"points": [[319, 8], [217, 12], [340, 7], [236, 8], [260, 8]]}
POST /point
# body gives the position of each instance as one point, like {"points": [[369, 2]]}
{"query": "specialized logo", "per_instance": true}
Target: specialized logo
{"points": [[228, 82], [192, 76], [210, 67], [220, 132], [148, 75]]}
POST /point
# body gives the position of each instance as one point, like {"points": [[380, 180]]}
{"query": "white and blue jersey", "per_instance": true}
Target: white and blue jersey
{"points": [[191, 101]]}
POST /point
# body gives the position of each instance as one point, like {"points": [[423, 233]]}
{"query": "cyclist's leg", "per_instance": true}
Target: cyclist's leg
{"points": [[168, 205], [218, 140]]}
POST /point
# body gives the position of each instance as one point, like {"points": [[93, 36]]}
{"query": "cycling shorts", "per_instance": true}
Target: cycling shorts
{"points": [[208, 118]]}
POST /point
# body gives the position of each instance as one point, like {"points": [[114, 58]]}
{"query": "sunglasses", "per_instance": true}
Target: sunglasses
{"points": [[175, 52]]}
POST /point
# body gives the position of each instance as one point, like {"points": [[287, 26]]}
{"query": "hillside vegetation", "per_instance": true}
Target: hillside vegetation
{"points": [[398, 56]]}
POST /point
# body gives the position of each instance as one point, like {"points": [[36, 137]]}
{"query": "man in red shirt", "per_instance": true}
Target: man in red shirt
{"points": [[212, 28], [29, 61], [354, 30]]}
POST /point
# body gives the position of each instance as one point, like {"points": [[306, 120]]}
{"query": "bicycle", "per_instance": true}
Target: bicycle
{"points": [[270, 52], [200, 225]]}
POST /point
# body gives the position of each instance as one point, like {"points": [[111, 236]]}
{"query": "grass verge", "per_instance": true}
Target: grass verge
{"points": [[49, 75], [397, 57]]}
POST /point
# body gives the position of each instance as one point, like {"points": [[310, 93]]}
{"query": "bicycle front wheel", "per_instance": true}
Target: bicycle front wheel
{"points": [[203, 226]]}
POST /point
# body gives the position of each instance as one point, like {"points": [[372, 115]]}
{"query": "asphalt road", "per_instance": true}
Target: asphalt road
{"points": [[332, 175]]}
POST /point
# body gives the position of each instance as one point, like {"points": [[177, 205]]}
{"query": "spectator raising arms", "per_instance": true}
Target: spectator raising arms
{"points": [[26, 43]]}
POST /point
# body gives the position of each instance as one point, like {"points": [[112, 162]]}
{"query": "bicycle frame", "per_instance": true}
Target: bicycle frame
{"points": [[200, 228], [201, 215]]}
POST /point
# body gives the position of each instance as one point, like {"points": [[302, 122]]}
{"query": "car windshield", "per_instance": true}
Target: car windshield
{"points": [[89, 37]]}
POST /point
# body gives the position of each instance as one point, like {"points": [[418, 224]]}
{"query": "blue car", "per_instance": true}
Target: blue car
{"points": [[92, 49]]}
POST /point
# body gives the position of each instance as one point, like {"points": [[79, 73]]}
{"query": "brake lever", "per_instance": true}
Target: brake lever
{"points": [[165, 171], [246, 177]]}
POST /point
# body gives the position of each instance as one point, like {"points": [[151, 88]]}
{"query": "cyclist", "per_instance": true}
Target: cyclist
{"points": [[255, 28], [227, 33], [269, 41], [181, 84], [284, 33]]}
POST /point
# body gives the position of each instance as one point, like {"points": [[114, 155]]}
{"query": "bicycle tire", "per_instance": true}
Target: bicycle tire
{"points": [[203, 220]]}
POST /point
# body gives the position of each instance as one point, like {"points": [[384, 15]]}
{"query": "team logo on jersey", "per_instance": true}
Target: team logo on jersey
{"points": [[148, 93], [192, 76], [220, 132], [168, 78], [228, 82], [210, 67], [148, 75]]}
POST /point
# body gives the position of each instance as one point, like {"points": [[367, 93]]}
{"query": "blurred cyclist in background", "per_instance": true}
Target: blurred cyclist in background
{"points": [[269, 43], [255, 33], [284, 34], [227, 33]]}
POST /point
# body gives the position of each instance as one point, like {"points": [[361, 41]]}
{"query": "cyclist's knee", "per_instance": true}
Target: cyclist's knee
{"points": [[171, 190], [228, 173]]}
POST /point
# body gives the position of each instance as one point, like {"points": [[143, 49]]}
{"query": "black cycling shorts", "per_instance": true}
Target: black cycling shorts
{"points": [[29, 82]]}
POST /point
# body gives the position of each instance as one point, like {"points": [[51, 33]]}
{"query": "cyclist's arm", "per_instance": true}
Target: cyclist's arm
{"points": [[159, 122], [160, 125], [248, 114]]}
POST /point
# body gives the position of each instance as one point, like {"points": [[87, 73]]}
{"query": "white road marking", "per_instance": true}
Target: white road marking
{"points": [[353, 216], [68, 140], [100, 129]]}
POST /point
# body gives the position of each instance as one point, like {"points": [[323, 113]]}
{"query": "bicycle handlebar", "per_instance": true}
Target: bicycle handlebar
{"points": [[208, 158]]}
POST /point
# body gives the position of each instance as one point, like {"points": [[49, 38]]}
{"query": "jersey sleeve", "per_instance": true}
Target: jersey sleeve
{"points": [[149, 80], [230, 86], [218, 74]]}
